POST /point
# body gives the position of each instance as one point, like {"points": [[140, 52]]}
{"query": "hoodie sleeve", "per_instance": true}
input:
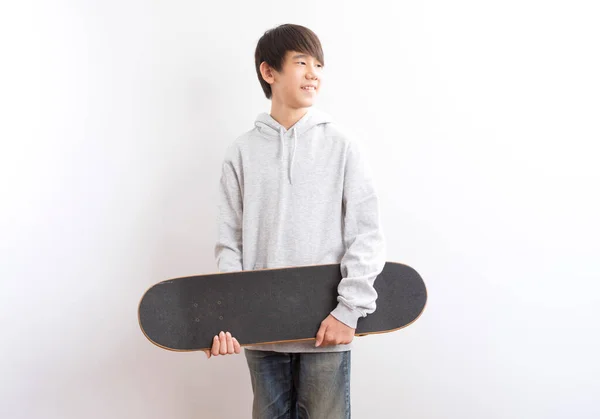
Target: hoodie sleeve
{"points": [[365, 244], [228, 248]]}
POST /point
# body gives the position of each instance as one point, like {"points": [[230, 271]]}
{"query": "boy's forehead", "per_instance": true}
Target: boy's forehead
{"points": [[292, 55]]}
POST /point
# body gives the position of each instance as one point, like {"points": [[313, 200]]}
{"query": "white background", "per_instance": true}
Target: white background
{"points": [[481, 122]]}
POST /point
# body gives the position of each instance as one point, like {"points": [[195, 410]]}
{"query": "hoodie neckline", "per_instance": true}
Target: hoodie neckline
{"points": [[269, 127], [300, 126]]}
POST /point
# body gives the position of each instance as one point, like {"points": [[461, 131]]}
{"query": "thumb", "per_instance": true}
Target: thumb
{"points": [[320, 335], [207, 352]]}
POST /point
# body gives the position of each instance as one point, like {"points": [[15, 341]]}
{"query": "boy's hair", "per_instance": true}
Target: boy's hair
{"points": [[276, 42]]}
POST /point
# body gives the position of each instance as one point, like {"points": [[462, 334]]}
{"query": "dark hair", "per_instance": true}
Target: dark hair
{"points": [[276, 42]]}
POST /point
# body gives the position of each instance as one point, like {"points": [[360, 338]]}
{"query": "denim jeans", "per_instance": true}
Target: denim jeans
{"points": [[300, 385]]}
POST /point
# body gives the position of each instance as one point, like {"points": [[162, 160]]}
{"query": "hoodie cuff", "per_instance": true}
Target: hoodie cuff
{"points": [[346, 315]]}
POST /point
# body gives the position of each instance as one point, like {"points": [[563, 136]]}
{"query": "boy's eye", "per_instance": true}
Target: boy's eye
{"points": [[302, 62]]}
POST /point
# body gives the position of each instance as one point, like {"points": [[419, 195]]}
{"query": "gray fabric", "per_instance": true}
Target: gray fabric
{"points": [[302, 196]]}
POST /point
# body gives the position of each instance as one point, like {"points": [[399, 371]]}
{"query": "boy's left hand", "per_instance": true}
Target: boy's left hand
{"points": [[334, 332]]}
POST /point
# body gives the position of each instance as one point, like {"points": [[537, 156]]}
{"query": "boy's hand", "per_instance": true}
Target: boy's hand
{"points": [[334, 332], [224, 344]]}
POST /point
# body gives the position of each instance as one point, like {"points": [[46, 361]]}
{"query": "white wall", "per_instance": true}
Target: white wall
{"points": [[481, 120]]}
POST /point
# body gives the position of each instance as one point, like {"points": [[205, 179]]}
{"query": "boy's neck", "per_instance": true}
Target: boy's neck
{"points": [[287, 116]]}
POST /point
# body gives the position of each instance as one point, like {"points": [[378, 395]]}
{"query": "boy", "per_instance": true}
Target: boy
{"points": [[295, 190]]}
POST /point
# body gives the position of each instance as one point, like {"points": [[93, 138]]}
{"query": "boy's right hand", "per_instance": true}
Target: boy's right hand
{"points": [[224, 344]]}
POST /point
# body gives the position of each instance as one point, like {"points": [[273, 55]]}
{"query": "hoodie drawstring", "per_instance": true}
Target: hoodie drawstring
{"points": [[291, 165], [281, 142], [292, 162]]}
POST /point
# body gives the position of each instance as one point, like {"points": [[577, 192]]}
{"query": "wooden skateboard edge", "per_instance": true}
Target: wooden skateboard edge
{"points": [[260, 269]]}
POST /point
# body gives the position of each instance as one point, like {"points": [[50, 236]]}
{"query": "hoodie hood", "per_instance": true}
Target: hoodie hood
{"points": [[268, 127]]}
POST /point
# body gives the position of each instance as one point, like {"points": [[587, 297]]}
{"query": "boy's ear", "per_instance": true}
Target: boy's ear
{"points": [[267, 72]]}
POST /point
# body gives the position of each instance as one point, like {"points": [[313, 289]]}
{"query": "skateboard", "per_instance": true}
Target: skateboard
{"points": [[270, 305]]}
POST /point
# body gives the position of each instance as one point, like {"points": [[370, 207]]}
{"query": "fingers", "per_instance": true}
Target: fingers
{"points": [[224, 344], [229, 343], [329, 338], [215, 347], [331, 333]]}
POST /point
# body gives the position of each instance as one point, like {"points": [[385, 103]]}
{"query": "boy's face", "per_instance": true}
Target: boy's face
{"points": [[290, 86]]}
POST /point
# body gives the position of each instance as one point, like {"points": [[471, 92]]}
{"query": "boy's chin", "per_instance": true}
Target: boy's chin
{"points": [[308, 102]]}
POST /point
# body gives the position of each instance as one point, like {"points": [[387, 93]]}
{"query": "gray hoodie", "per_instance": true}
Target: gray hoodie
{"points": [[302, 196]]}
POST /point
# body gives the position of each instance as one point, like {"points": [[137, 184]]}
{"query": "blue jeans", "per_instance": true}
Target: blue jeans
{"points": [[300, 385]]}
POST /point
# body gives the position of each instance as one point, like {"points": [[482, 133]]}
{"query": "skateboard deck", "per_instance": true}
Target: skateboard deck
{"points": [[270, 305]]}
